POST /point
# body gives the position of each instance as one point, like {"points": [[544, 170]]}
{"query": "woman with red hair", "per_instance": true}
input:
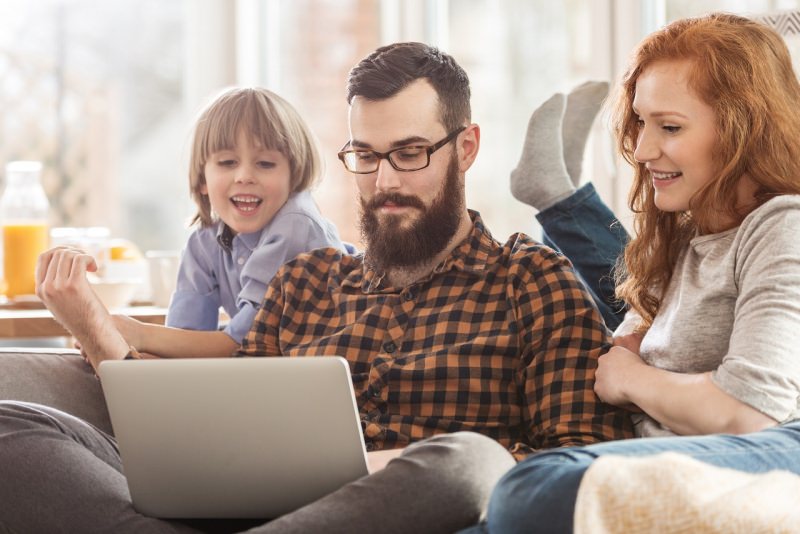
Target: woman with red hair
{"points": [[708, 114]]}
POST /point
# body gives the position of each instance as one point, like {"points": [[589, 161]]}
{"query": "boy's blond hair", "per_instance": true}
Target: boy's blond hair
{"points": [[270, 120]]}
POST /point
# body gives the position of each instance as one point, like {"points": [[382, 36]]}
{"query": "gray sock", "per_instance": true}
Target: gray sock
{"points": [[541, 178], [583, 103]]}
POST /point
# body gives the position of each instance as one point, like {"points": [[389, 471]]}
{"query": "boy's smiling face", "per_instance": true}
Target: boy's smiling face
{"points": [[246, 184]]}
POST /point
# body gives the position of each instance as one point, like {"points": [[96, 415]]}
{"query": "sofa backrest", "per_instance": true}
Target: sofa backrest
{"points": [[58, 378]]}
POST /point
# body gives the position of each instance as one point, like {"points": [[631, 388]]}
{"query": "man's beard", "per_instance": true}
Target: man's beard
{"points": [[389, 246]]}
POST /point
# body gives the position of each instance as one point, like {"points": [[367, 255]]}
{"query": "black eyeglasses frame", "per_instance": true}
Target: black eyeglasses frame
{"points": [[429, 149]]}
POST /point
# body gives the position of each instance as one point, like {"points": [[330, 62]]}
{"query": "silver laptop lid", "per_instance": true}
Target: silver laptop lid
{"points": [[233, 437]]}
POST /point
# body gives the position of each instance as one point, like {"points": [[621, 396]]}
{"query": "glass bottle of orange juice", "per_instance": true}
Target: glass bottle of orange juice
{"points": [[23, 216]]}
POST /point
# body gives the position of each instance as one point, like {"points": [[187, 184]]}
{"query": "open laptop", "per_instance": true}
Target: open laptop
{"points": [[233, 437]]}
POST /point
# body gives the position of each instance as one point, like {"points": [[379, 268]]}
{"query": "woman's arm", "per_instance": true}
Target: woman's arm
{"points": [[684, 403], [168, 342], [748, 290]]}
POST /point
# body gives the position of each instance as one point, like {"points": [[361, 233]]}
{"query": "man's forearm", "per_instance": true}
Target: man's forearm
{"points": [[99, 338], [62, 285]]}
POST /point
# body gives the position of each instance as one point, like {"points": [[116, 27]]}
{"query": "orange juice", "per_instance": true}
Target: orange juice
{"points": [[22, 244]]}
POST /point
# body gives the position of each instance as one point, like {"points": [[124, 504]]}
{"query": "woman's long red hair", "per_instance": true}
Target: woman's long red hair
{"points": [[743, 70]]}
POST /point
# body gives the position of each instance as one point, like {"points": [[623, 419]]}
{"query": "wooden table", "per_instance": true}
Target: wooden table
{"points": [[27, 323]]}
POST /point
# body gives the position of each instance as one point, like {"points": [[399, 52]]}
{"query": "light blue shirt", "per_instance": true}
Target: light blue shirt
{"points": [[220, 269]]}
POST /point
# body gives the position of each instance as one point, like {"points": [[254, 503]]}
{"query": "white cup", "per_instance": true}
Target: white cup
{"points": [[163, 268]]}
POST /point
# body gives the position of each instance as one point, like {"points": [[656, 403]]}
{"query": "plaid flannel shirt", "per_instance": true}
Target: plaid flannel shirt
{"points": [[499, 339]]}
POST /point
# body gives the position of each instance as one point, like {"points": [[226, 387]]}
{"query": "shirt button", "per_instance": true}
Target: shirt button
{"points": [[389, 347], [408, 296], [240, 261], [370, 446]]}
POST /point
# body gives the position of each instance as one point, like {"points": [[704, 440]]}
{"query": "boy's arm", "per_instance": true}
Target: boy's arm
{"points": [[168, 342], [195, 303]]}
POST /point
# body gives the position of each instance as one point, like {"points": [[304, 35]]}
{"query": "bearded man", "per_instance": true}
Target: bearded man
{"points": [[465, 353]]}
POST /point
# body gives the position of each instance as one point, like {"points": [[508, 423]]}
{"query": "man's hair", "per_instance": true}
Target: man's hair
{"points": [[390, 69], [268, 120], [743, 71]]}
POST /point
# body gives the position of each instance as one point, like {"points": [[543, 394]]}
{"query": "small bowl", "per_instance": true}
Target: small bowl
{"points": [[115, 293]]}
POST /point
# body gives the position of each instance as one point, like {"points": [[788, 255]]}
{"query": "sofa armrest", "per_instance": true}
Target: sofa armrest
{"points": [[54, 377]]}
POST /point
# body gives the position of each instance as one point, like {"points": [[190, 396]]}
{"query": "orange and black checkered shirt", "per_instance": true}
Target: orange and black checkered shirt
{"points": [[499, 339]]}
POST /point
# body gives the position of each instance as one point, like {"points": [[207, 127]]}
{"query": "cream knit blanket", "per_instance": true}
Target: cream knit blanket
{"points": [[674, 493]]}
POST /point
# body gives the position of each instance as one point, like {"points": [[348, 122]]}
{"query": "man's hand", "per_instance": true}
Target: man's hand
{"points": [[616, 369], [62, 285], [377, 460]]}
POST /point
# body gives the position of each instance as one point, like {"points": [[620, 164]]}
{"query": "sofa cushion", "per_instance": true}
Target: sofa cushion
{"points": [[59, 378]]}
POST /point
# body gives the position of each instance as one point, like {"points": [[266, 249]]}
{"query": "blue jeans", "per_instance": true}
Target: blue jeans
{"points": [[586, 231], [539, 493]]}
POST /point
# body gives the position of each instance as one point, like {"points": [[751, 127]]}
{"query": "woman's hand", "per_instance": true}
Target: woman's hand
{"points": [[616, 369]]}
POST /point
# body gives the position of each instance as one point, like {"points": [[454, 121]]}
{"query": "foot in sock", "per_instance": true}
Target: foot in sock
{"points": [[583, 103], [541, 178]]}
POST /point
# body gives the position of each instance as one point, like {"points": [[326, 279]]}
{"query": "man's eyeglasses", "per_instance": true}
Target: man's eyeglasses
{"points": [[404, 159]]}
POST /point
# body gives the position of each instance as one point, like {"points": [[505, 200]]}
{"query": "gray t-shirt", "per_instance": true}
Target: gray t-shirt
{"points": [[733, 308]]}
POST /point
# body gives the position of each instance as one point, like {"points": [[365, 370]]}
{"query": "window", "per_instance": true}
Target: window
{"points": [[94, 90], [104, 92], [782, 15], [314, 43]]}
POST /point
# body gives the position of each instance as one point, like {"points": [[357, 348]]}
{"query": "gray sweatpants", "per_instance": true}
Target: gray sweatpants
{"points": [[60, 474]]}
